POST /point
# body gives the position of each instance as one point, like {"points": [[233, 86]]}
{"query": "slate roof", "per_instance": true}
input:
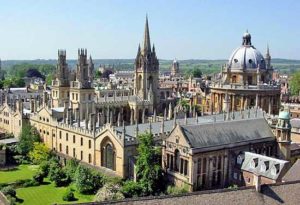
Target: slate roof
{"points": [[169, 124], [269, 167], [227, 132], [294, 173]]}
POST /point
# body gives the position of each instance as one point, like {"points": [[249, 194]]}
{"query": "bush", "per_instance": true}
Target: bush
{"points": [[173, 190], [58, 176], [70, 168], [12, 200], [86, 181], [39, 177], [109, 191], [39, 153], [21, 182], [131, 189], [9, 191], [69, 195], [44, 167], [30, 183]]}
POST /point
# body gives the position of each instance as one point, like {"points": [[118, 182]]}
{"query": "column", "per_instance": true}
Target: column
{"points": [[210, 172], [242, 103], [233, 103], [225, 170], [256, 101], [270, 106]]}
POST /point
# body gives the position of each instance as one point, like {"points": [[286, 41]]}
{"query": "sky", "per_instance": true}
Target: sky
{"points": [[190, 29]]}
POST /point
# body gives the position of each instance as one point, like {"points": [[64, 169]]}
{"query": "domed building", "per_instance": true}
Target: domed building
{"points": [[246, 81]]}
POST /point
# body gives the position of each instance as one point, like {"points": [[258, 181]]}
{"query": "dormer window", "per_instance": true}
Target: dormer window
{"points": [[254, 163], [275, 169]]}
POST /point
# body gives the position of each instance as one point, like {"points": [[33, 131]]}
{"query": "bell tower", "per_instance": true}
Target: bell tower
{"points": [[146, 69]]}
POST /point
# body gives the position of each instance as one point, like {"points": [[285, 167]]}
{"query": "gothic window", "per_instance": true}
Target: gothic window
{"points": [[108, 156], [177, 160], [139, 82]]}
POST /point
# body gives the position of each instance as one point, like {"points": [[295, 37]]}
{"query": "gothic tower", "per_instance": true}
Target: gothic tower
{"points": [[61, 83], [81, 90], [146, 70], [268, 58]]}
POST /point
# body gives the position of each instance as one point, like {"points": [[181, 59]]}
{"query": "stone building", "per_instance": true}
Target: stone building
{"points": [[246, 81], [210, 155]]}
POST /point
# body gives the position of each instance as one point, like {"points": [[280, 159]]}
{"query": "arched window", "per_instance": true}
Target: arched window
{"points": [[108, 156], [139, 82], [177, 160]]}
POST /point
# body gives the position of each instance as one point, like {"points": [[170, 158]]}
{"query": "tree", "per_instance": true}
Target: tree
{"points": [[39, 153], [57, 174], [197, 73], [295, 83], [71, 167], [86, 181], [98, 74], [27, 138], [148, 165]]}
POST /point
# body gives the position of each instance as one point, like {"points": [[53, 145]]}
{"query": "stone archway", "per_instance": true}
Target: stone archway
{"points": [[108, 154]]}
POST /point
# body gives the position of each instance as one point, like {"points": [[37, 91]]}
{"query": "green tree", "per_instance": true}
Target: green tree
{"points": [[57, 174], [98, 74], [71, 167], [27, 138], [148, 166], [39, 153], [295, 83], [197, 73], [86, 181]]}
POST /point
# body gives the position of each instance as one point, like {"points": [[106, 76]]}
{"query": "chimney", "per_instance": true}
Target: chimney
{"points": [[257, 182]]}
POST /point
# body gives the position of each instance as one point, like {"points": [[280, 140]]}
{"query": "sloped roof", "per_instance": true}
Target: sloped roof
{"points": [[226, 132], [294, 173]]}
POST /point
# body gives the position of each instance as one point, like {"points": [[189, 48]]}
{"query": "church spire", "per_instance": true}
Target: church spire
{"points": [[147, 44]]}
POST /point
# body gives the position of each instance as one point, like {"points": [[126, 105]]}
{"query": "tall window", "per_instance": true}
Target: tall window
{"points": [[81, 141], [74, 139], [90, 144], [67, 136], [108, 156], [60, 148], [177, 160], [67, 150], [81, 155], [74, 152], [90, 158]]}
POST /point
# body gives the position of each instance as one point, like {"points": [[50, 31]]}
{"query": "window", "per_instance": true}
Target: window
{"points": [[59, 134], [74, 139], [67, 149], [90, 97], [76, 96], [60, 148], [81, 141], [108, 156], [67, 136], [177, 160], [90, 158], [74, 152], [90, 144], [81, 155], [73, 96]]}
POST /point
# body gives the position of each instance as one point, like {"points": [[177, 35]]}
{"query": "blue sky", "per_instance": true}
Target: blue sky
{"points": [[192, 29]]}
